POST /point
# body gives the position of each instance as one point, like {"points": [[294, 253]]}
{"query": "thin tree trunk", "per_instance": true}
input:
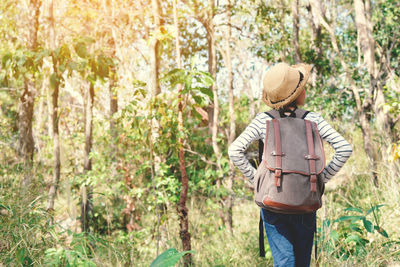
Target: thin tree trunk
{"points": [[316, 31], [108, 8], [54, 118], [232, 124], [154, 87], [182, 209], [113, 95], [49, 111], [154, 51], [86, 205], [212, 68], [25, 143], [295, 15]]}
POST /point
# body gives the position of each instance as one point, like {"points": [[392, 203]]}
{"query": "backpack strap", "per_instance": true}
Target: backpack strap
{"points": [[301, 113], [311, 157], [261, 237], [273, 113], [261, 223], [278, 153]]}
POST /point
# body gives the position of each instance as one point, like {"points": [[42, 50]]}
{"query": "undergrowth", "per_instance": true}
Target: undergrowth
{"points": [[357, 225]]}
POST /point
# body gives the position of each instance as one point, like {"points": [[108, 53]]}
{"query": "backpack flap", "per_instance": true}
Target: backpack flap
{"points": [[286, 149]]}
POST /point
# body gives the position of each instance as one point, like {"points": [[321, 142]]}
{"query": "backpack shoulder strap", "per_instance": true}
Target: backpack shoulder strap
{"points": [[273, 114], [301, 113]]}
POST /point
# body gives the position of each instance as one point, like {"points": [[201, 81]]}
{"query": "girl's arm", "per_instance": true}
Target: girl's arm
{"points": [[342, 148], [236, 151]]}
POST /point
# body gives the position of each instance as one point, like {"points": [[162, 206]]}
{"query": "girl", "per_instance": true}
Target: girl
{"points": [[290, 236]]}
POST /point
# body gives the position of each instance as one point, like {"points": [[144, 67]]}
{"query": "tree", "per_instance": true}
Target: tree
{"points": [[295, 14], [182, 209], [55, 84], [227, 57], [27, 98], [363, 105]]}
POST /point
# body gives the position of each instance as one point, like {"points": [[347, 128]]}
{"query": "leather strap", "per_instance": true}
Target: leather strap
{"points": [[278, 153], [261, 237], [311, 157]]}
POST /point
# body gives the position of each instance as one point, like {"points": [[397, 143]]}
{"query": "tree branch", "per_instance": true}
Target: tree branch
{"points": [[200, 156]]}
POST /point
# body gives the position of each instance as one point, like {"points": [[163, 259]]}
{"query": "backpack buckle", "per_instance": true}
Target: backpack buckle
{"points": [[273, 153], [311, 157]]}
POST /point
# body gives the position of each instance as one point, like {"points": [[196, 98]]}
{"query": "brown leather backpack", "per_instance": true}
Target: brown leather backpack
{"points": [[288, 178]]}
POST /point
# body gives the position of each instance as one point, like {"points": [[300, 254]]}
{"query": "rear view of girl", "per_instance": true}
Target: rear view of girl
{"points": [[290, 228]]}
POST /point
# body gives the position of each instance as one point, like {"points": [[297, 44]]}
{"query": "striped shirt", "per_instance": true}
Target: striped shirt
{"points": [[256, 130]]}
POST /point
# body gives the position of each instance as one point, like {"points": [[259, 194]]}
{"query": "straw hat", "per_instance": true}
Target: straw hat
{"points": [[282, 84]]}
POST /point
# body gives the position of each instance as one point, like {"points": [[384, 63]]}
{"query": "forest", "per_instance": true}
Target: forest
{"points": [[116, 117]]}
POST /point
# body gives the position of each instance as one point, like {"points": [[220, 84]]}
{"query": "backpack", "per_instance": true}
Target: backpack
{"points": [[288, 177]]}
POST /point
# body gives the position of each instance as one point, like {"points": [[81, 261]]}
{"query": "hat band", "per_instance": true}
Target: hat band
{"points": [[294, 91]]}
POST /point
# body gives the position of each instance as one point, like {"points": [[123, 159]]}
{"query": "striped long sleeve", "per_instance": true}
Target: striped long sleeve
{"points": [[256, 130]]}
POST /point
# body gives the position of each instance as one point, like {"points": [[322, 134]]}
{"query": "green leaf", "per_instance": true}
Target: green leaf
{"points": [[102, 69], [72, 65], [91, 79], [375, 208], [354, 209], [65, 53], [40, 55], [368, 225], [334, 235], [381, 231], [138, 84], [206, 78], [169, 258], [197, 99], [54, 81], [7, 57], [175, 76], [21, 61], [351, 218], [353, 237], [62, 68], [207, 91], [141, 92], [81, 50]]}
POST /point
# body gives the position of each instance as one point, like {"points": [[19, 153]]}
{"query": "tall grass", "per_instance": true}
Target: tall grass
{"points": [[27, 235]]}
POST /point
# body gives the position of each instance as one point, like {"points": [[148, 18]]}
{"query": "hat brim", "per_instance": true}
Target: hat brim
{"points": [[305, 69]]}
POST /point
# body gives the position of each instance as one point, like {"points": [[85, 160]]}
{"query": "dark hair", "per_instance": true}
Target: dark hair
{"points": [[287, 108]]}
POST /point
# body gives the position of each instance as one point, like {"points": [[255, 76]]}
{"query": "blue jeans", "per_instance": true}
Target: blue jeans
{"points": [[290, 237]]}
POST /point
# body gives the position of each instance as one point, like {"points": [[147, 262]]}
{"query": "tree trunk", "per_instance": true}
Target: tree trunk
{"points": [[54, 118], [25, 138], [182, 209], [212, 69], [25, 143], [154, 87], [366, 44], [295, 14], [316, 33], [154, 51], [86, 204], [113, 95], [232, 124], [363, 108]]}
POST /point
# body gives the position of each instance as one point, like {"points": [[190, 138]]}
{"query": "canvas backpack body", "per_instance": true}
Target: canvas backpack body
{"points": [[288, 177]]}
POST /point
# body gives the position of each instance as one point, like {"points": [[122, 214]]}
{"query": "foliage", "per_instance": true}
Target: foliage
{"points": [[169, 258], [350, 238], [105, 44]]}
